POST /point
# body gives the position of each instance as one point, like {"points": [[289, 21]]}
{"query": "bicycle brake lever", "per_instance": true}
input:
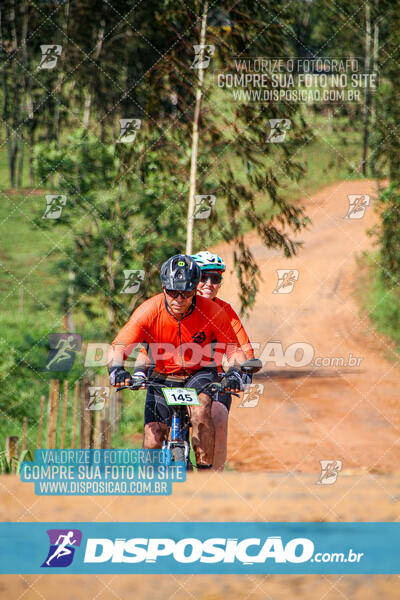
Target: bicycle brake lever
{"points": [[127, 387]]}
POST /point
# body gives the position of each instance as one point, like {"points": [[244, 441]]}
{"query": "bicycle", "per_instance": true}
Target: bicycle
{"points": [[180, 399]]}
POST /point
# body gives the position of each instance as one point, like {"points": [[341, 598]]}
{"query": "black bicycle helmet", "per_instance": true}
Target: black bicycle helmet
{"points": [[180, 273]]}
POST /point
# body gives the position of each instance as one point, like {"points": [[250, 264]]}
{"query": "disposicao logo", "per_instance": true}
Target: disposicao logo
{"points": [[62, 547], [190, 550]]}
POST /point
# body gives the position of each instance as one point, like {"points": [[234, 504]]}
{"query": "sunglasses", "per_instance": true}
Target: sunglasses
{"points": [[213, 277], [176, 293]]}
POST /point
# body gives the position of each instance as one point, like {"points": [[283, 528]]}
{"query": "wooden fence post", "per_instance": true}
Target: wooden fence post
{"points": [[96, 417], [96, 439], [112, 404], [64, 414], [24, 433], [39, 439], [49, 412], [52, 413], [119, 404], [105, 434], [11, 449], [75, 414], [91, 423], [84, 428]]}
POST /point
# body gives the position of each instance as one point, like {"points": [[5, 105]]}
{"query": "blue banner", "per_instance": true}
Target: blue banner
{"points": [[204, 548]]}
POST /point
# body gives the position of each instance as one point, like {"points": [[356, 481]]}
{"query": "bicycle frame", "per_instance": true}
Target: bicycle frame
{"points": [[179, 430], [177, 427], [179, 442]]}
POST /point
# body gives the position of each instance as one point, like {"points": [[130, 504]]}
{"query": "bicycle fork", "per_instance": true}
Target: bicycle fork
{"points": [[179, 443]]}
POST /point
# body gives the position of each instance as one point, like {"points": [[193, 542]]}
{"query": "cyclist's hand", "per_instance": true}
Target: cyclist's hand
{"points": [[119, 377], [232, 381], [138, 381]]}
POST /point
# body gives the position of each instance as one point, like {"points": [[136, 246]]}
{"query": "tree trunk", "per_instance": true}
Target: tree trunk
{"points": [[88, 95], [31, 149], [60, 79], [86, 112], [20, 167], [374, 69], [111, 284], [27, 110], [11, 119], [11, 158], [70, 309], [195, 136], [367, 93]]}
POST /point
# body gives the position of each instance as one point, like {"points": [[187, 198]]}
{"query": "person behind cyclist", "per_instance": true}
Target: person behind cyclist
{"points": [[212, 267], [185, 337]]}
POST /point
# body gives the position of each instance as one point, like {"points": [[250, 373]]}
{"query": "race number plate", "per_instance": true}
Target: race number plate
{"points": [[181, 396]]}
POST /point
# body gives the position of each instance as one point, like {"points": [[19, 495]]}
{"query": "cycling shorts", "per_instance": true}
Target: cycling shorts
{"points": [[224, 398], [156, 407]]}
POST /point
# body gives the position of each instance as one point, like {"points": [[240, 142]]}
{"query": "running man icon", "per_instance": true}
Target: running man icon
{"points": [[128, 130], [63, 347], [62, 549], [286, 280], [50, 55], [62, 542]]}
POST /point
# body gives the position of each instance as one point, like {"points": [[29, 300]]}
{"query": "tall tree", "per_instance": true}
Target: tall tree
{"points": [[139, 211], [234, 162], [386, 151]]}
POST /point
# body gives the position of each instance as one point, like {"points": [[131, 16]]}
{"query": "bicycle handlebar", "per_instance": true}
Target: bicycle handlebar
{"points": [[213, 387], [250, 366]]}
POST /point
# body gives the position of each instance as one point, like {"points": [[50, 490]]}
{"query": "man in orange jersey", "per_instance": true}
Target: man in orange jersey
{"points": [[212, 266], [185, 337]]}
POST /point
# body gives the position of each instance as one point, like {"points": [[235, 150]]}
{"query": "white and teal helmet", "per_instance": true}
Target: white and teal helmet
{"points": [[209, 262]]}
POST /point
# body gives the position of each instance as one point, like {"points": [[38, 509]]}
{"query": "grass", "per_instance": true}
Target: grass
{"points": [[131, 425], [26, 282], [382, 305]]}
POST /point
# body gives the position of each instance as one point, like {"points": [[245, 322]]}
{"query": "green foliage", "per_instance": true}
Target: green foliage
{"points": [[14, 464], [25, 351], [83, 165], [389, 236], [384, 303], [381, 303], [99, 80], [131, 425], [386, 140], [123, 212], [235, 163]]}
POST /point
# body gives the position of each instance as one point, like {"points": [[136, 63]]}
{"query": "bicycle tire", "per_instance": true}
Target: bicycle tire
{"points": [[179, 454]]}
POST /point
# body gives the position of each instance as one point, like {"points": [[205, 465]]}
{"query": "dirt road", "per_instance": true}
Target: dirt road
{"points": [[333, 411], [304, 416]]}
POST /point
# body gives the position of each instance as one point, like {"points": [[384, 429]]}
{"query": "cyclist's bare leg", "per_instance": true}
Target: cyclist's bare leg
{"points": [[202, 431], [154, 434], [219, 414]]}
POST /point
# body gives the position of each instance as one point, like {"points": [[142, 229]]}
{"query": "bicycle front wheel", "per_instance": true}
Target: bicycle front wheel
{"points": [[179, 453]]}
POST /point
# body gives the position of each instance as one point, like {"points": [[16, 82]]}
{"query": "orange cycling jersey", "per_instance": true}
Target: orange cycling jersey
{"points": [[180, 347], [238, 328], [240, 332]]}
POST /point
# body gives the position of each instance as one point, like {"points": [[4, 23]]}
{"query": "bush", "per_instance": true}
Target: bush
{"points": [[380, 302], [389, 236]]}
